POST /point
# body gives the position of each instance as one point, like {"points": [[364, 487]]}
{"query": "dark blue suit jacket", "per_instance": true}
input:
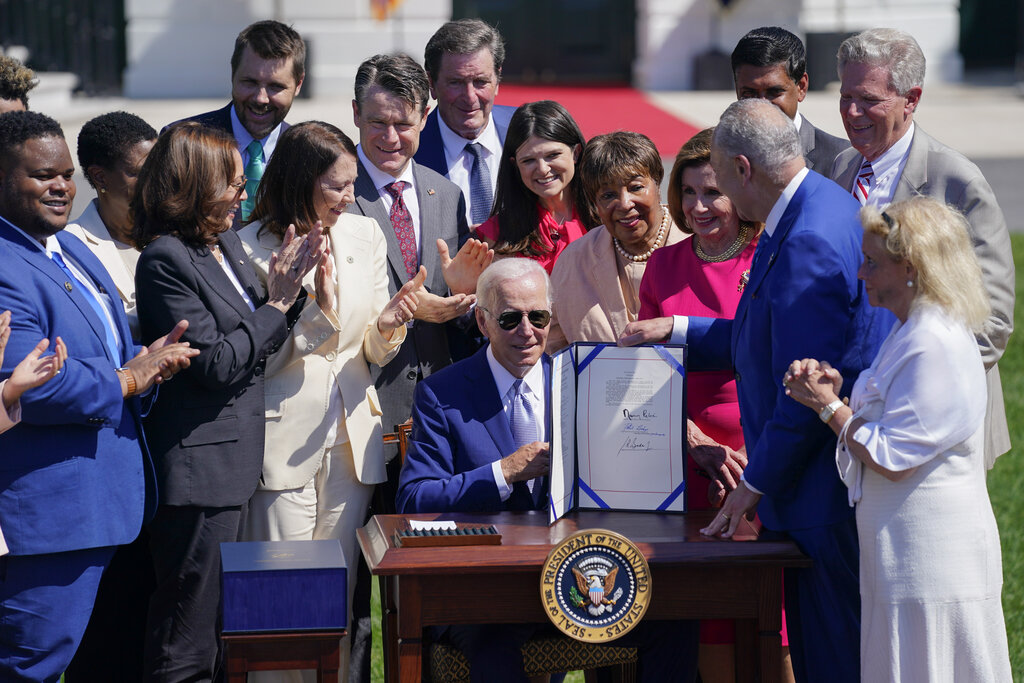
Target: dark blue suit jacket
{"points": [[431, 149], [458, 430], [803, 300], [75, 473]]}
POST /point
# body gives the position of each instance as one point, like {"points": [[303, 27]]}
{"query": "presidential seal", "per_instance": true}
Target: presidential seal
{"points": [[595, 586]]}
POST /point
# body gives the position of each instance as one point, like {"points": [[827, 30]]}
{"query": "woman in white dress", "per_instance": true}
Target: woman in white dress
{"points": [[910, 451]]}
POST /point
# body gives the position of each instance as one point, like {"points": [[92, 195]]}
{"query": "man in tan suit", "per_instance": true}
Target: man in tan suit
{"points": [[882, 76]]}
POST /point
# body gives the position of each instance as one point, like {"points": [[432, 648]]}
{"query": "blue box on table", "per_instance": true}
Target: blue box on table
{"points": [[283, 586]]}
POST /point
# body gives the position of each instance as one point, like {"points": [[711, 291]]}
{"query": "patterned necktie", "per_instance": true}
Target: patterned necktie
{"points": [[97, 307], [522, 420], [401, 222], [253, 174], [864, 178], [480, 193]]}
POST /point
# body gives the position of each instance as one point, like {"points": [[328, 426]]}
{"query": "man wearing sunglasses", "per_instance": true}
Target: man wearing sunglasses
{"points": [[479, 443]]}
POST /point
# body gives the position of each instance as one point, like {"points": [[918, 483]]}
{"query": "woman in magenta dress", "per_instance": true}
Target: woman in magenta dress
{"points": [[537, 206], [705, 276]]}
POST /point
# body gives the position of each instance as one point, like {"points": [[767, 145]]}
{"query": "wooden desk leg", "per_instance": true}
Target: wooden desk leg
{"points": [[769, 623], [747, 656], [410, 630], [389, 626]]}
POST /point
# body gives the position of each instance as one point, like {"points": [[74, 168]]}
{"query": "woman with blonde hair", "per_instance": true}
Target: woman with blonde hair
{"points": [[911, 453]]}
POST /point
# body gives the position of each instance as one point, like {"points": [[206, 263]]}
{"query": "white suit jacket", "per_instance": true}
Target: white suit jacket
{"points": [[324, 352], [90, 229]]}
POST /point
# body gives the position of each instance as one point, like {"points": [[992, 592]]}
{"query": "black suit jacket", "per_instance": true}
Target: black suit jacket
{"points": [[206, 431], [428, 348], [218, 118]]}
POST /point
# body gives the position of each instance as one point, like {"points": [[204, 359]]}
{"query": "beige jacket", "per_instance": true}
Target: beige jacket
{"points": [[90, 229], [325, 354]]}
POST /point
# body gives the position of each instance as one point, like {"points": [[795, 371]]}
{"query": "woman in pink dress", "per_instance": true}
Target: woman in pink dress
{"points": [[705, 276], [537, 205]]}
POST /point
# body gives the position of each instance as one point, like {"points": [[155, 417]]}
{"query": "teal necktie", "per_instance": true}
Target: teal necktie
{"points": [[253, 174]]}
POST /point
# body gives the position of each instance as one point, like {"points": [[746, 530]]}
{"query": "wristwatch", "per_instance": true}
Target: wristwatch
{"points": [[828, 411]]}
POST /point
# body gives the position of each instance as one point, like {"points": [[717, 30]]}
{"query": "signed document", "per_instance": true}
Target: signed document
{"points": [[618, 436]]}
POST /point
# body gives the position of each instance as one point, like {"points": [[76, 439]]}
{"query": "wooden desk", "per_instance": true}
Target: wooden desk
{"points": [[692, 577]]}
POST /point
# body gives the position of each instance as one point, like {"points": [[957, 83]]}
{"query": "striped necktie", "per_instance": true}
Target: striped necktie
{"points": [[863, 184], [480, 193], [253, 173]]}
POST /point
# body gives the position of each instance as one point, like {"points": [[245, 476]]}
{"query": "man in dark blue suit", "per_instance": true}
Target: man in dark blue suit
{"points": [[464, 135], [802, 300], [268, 65], [76, 479], [479, 444]]}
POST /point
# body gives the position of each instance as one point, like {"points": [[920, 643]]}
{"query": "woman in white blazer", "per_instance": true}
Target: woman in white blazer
{"points": [[111, 150], [324, 452]]}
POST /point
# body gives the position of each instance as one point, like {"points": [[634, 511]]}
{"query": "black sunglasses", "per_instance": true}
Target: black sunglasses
{"points": [[509, 320]]}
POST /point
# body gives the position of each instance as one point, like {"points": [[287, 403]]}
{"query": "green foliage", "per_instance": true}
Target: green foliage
{"points": [[1006, 481]]}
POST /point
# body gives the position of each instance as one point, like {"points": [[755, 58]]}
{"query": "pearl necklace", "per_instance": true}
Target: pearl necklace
{"points": [[640, 258], [735, 248]]}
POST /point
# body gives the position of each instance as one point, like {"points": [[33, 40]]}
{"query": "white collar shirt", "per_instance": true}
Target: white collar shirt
{"points": [[243, 138], [533, 386], [888, 168], [460, 162], [782, 203], [381, 180]]}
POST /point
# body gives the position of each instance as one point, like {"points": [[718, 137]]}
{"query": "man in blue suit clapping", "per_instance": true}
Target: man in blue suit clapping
{"points": [[75, 479]]}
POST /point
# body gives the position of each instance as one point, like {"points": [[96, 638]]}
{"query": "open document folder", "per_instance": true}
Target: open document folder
{"points": [[618, 433]]}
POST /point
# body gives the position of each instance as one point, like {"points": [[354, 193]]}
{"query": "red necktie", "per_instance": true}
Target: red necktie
{"points": [[401, 223], [860, 188]]}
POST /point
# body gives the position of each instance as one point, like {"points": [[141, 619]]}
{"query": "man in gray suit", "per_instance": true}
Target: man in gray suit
{"points": [[770, 63], [423, 217], [882, 74]]}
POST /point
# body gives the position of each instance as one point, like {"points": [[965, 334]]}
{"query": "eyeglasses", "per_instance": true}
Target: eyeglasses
{"points": [[239, 185], [509, 320], [888, 220]]}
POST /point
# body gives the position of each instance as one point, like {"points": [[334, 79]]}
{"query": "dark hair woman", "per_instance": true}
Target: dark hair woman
{"points": [[319, 384], [206, 431], [538, 208]]}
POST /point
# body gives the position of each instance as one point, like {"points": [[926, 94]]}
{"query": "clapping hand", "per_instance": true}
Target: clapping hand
{"points": [[402, 306], [34, 369], [158, 362], [461, 273], [296, 257]]}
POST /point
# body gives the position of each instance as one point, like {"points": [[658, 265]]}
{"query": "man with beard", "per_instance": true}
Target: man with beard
{"points": [[267, 69]]}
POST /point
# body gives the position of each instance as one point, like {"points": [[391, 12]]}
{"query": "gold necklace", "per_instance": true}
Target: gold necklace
{"points": [[640, 258], [734, 248]]}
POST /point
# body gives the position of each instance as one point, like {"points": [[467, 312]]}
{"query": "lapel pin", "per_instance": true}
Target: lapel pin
{"points": [[430, 191], [67, 285]]}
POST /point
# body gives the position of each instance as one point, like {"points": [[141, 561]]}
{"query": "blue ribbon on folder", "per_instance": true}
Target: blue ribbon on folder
{"points": [[591, 356], [590, 492], [670, 359]]}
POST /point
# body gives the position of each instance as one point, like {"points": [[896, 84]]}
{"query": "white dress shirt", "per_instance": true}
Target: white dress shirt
{"points": [[533, 385], [888, 168], [381, 180], [460, 162]]}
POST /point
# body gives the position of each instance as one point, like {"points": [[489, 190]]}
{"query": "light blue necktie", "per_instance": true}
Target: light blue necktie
{"points": [[97, 307], [253, 175], [523, 421], [480, 193]]}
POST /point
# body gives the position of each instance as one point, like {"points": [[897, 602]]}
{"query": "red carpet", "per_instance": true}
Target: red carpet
{"points": [[606, 109]]}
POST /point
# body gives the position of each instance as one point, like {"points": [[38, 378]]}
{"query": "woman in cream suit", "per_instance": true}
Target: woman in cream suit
{"points": [[324, 452]]}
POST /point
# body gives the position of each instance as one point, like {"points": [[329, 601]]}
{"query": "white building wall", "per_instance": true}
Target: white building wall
{"points": [[341, 34], [182, 48], [672, 33]]}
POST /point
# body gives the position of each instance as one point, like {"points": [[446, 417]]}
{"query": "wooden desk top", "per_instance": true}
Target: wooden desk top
{"points": [[527, 539]]}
